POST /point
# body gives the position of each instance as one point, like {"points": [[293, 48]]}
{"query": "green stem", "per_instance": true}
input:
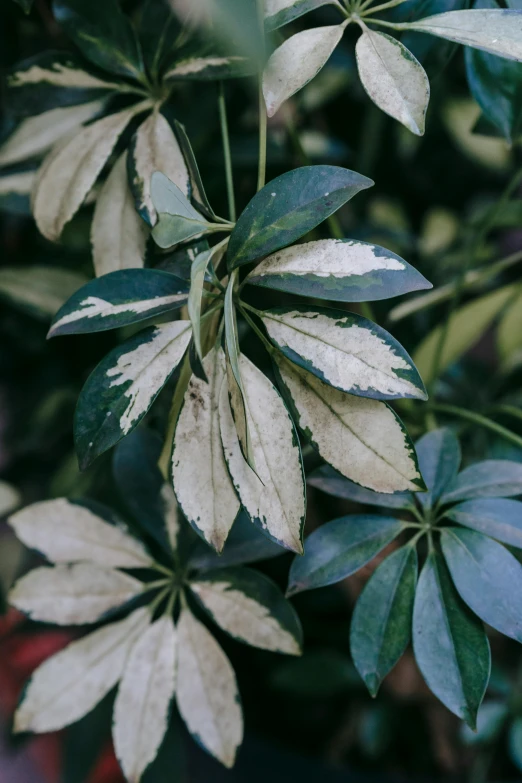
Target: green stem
{"points": [[263, 119], [225, 136], [268, 345], [507, 410], [480, 421], [159, 598], [382, 7], [162, 569]]}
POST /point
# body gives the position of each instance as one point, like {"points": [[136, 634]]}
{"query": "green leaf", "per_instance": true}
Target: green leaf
{"points": [[340, 270], [509, 331], [39, 290], [515, 743], [393, 78], [340, 548], [199, 197], [178, 220], [493, 478], [488, 578], [121, 389], [439, 457], [158, 29], [119, 299], [346, 351], [103, 34], [450, 645], [381, 622], [496, 517], [289, 207], [490, 722], [251, 608], [171, 230], [281, 12], [333, 483], [498, 31]]}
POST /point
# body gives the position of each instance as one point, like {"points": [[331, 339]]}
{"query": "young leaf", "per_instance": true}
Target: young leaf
{"points": [[119, 299], [289, 207], [71, 169], [393, 78], [121, 389], [362, 439], [199, 472], [495, 517], [154, 147], [281, 12], [141, 710], [439, 457], [65, 532], [450, 645], [381, 622], [493, 478], [178, 220], [488, 578], [330, 481], [171, 230], [340, 548], [72, 594], [296, 62], [118, 234], [209, 68], [102, 33], [338, 270], [275, 495], [68, 685], [251, 608], [207, 694], [345, 351]]}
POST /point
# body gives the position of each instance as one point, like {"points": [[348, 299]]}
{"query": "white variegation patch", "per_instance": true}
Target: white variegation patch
{"points": [[351, 358], [361, 438], [156, 148], [393, 78], [71, 168], [244, 617], [118, 234], [37, 134], [59, 75], [275, 494], [195, 65], [67, 686], [142, 705], [199, 471], [207, 693], [67, 533], [19, 184], [170, 510], [147, 368], [72, 594], [296, 62]]}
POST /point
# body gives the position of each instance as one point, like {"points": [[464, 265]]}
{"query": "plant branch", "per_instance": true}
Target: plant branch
{"points": [[263, 119], [226, 152], [480, 421]]}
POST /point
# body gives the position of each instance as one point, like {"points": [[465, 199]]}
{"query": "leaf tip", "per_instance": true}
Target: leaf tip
{"points": [[373, 683]]}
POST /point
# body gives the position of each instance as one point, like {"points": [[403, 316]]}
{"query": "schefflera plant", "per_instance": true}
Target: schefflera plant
{"points": [[391, 75], [232, 443], [151, 635], [468, 576]]}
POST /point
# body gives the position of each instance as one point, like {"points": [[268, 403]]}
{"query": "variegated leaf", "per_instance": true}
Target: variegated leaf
{"points": [[362, 439], [155, 148], [207, 693], [393, 78], [275, 495], [209, 68], [296, 62], [141, 711], [72, 594], [67, 686], [67, 533], [346, 351], [118, 234], [121, 389], [250, 608], [338, 270], [281, 12], [71, 169], [199, 472]]}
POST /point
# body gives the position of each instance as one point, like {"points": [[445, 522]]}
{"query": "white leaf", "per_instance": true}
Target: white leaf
{"points": [[141, 710], [393, 78], [199, 472], [118, 234], [296, 62], [274, 496], [363, 439], [59, 74], [498, 31], [71, 169], [207, 694], [155, 148], [37, 134], [67, 686], [72, 594], [66, 533]]}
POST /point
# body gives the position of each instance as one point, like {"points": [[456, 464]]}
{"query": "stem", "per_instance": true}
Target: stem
{"points": [[481, 421], [508, 410], [263, 119], [159, 598], [226, 152], [153, 585], [162, 569], [268, 345], [382, 7]]}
